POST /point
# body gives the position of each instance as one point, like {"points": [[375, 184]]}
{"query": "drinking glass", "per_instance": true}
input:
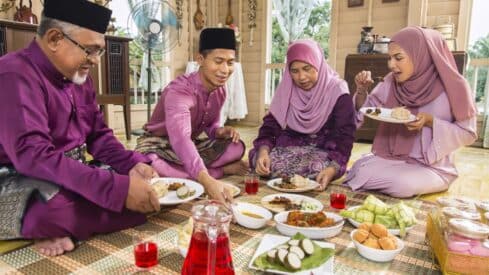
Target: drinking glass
{"points": [[145, 249]]}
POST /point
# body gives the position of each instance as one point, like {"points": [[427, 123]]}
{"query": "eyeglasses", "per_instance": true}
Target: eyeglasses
{"points": [[91, 52]]}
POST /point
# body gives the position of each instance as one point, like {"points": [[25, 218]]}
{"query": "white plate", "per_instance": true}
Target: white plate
{"points": [[270, 241], [393, 231], [171, 198], [293, 197], [385, 115], [312, 185], [310, 232]]}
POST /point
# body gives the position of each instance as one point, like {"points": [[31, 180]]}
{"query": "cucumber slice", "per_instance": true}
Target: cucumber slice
{"points": [[292, 261], [307, 246], [294, 242], [281, 253], [283, 246], [272, 256], [297, 250], [183, 192]]}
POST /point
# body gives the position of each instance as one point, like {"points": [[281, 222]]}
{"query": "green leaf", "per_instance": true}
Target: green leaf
{"points": [[319, 257]]}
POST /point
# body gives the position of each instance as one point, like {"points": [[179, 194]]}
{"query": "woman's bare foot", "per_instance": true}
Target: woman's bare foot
{"points": [[239, 168], [54, 246]]}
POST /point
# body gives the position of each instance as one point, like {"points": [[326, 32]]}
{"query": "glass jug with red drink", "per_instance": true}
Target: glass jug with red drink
{"points": [[209, 251]]}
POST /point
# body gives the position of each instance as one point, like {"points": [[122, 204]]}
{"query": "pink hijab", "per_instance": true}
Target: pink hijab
{"points": [[435, 72], [306, 111]]}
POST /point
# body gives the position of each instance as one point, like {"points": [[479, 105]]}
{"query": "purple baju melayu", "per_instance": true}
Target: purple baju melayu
{"points": [[185, 110], [43, 115]]}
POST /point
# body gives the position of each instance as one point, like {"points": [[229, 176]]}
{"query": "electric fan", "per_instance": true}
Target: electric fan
{"points": [[158, 29]]}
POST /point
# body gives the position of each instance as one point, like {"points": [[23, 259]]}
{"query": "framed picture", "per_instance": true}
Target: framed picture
{"points": [[355, 3], [389, 1]]}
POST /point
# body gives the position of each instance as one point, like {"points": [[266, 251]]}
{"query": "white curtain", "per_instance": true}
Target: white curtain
{"points": [[292, 17]]}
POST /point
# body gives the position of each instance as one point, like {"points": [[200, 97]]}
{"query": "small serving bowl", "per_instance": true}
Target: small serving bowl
{"points": [[248, 221], [377, 255], [310, 232]]}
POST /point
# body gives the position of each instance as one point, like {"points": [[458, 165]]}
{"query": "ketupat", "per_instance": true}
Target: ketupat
{"points": [[375, 205], [388, 221], [359, 215], [404, 215]]}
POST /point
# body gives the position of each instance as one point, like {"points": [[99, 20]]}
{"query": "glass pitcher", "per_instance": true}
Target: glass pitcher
{"points": [[209, 251]]}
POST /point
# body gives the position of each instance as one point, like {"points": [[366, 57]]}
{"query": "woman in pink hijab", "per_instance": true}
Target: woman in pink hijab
{"points": [[416, 157], [309, 129]]}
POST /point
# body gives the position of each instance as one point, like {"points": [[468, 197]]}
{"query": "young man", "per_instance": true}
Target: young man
{"points": [[48, 119], [190, 105]]}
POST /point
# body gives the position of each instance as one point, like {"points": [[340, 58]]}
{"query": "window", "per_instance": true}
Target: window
{"points": [[316, 14]]}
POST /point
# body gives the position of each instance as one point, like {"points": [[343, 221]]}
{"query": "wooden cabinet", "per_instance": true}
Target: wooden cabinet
{"points": [[111, 83], [377, 64]]}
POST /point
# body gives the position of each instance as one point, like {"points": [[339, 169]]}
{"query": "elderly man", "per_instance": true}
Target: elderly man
{"points": [[48, 117], [189, 106]]}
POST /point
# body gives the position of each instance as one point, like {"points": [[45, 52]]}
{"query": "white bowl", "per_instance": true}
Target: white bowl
{"points": [[377, 255], [250, 222], [310, 232]]}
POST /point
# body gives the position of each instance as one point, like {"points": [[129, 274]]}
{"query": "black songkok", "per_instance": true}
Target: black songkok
{"points": [[217, 38], [79, 12]]}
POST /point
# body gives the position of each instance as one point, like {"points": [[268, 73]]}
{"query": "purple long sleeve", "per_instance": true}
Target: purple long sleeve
{"points": [[43, 115], [335, 137]]}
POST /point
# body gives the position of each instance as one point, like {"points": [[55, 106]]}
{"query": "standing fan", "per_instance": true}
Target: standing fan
{"points": [[158, 30]]}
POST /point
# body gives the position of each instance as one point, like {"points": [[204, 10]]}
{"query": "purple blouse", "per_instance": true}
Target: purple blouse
{"points": [[43, 115], [335, 137]]}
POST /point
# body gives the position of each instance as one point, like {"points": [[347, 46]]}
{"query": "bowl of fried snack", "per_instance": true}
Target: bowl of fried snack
{"points": [[375, 243]]}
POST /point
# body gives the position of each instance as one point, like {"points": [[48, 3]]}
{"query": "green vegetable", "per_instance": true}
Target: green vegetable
{"points": [[316, 259], [359, 215], [375, 205], [388, 221]]}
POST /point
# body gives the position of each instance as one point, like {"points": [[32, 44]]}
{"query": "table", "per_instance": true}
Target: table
{"points": [[112, 253]]}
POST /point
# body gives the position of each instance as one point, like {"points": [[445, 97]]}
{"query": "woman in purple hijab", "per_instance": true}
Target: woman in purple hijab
{"points": [[309, 129], [417, 157]]}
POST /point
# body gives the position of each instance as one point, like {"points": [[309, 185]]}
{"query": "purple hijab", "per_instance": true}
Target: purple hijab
{"points": [[306, 111], [435, 72]]}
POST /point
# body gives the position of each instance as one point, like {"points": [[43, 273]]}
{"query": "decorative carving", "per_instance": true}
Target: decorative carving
{"points": [[251, 18], [199, 20], [6, 5]]}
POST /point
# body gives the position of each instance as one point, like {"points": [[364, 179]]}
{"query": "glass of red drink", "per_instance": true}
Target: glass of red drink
{"points": [[251, 182], [337, 200], [145, 249]]}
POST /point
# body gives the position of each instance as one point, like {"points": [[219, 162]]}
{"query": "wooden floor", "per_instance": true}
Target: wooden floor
{"points": [[472, 164]]}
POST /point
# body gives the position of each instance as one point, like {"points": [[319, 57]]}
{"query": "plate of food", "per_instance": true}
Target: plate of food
{"points": [[171, 191], [286, 202], [312, 224], [395, 115], [298, 255], [294, 184]]}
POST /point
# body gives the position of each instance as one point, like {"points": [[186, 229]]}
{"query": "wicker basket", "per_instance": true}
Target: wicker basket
{"points": [[450, 262]]}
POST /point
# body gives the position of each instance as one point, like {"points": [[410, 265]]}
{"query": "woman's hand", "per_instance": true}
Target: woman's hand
{"points": [[227, 132], [363, 81], [324, 177], [263, 163], [216, 189], [422, 120]]}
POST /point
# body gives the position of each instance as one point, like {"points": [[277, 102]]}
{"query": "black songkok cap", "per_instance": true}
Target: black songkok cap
{"points": [[79, 12], [217, 38]]}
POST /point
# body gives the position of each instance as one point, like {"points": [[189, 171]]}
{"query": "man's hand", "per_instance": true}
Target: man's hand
{"points": [[144, 171], [324, 177], [216, 189], [141, 197], [263, 163], [422, 120], [228, 132]]}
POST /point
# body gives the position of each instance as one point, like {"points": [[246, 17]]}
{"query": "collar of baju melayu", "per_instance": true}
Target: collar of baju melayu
{"points": [[49, 71], [197, 81]]}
